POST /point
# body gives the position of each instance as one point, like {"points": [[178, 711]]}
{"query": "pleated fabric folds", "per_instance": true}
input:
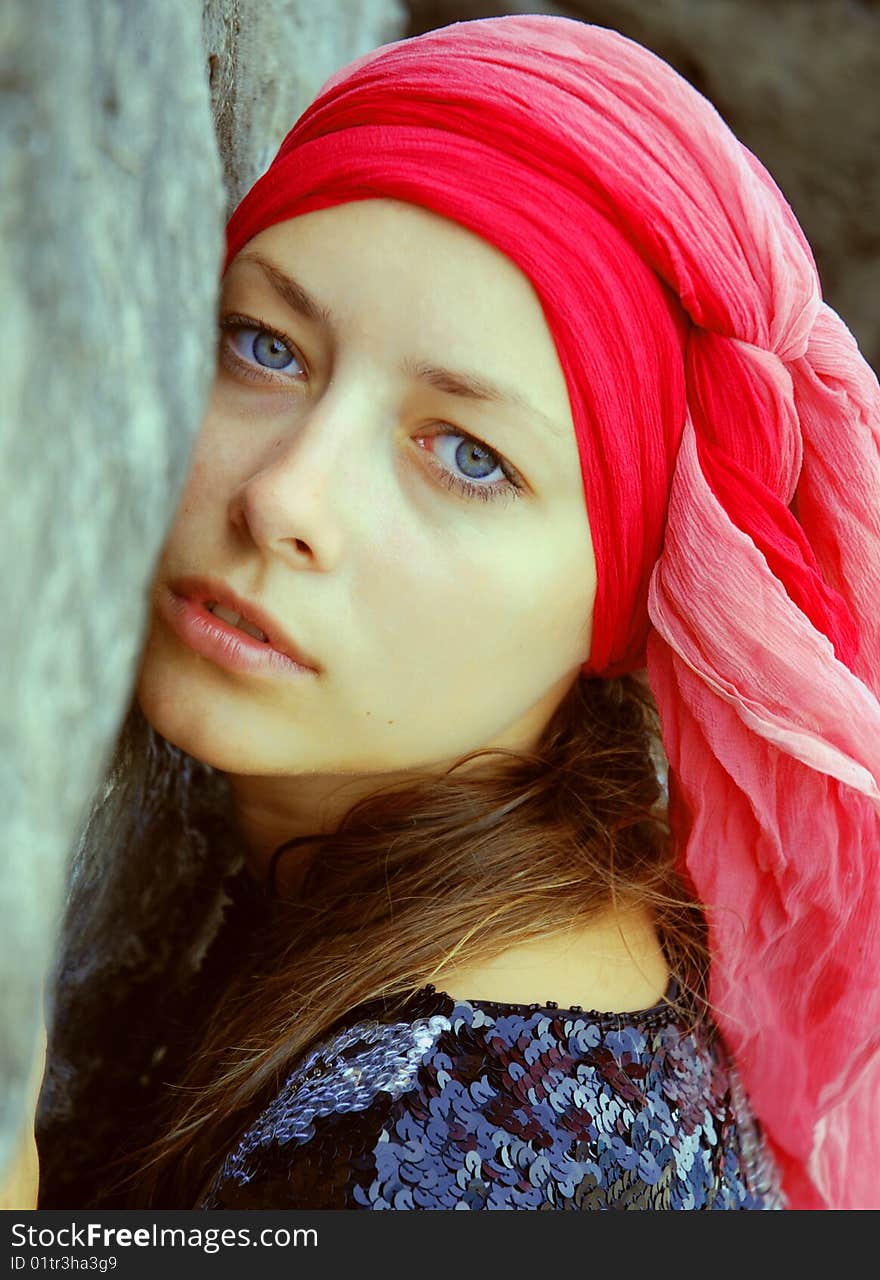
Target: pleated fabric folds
{"points": [[729, 438]]}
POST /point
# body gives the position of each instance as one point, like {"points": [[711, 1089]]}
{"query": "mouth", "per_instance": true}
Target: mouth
{"points": [[236, 620], [242, 614]]}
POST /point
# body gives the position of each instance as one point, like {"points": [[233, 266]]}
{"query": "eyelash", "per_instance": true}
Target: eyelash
{"points": [[511, 488]]}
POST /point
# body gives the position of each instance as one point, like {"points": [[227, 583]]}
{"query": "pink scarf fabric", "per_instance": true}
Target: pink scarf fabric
{"points": [[729, 436]]}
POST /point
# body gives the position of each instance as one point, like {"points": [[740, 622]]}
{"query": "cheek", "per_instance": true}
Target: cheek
{"points": [[211, 455], [212, 468], [458, 605]]}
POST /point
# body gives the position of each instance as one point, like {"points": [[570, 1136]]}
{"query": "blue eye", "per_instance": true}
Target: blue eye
{"points": [[473, 455], [261, 348]]}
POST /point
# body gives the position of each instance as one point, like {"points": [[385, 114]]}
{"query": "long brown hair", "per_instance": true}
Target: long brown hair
{"points": [[518, 845]]}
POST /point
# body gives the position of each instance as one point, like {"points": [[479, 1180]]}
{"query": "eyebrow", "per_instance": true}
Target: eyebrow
{"points": [[449, 382], [292, 292]]}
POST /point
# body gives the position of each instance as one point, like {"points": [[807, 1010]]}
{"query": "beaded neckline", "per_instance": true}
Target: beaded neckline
{"points": [[663, 1007]]}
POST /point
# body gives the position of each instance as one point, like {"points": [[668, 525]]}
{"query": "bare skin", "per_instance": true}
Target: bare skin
{"points": [[443, 622]]}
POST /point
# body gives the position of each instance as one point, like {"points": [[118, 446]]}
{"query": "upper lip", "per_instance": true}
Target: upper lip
{"points": [[203, 589]]}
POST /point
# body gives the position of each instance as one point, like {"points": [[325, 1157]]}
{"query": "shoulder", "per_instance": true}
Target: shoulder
{"points": [[613, 961], [474, 1105]]}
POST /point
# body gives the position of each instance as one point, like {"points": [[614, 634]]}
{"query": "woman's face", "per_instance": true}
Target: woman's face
{"points": [[427, 546]]}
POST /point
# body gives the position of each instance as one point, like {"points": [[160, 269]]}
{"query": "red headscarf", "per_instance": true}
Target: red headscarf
{"points": [[729, 438]]}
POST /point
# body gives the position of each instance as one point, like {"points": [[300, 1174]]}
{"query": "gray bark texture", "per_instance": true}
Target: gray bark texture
{"points": [[111, 215], [267, 61], [111, 231]]}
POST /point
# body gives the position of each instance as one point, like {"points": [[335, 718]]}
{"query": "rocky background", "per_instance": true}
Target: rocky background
{"points": [[127, 133]]}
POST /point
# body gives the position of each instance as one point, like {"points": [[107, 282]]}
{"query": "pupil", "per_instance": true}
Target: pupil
{"points": [[271, 351], [469, 454]]}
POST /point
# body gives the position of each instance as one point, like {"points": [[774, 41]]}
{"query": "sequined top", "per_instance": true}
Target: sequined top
{"points": [[444, 1103], [473, 1104]]}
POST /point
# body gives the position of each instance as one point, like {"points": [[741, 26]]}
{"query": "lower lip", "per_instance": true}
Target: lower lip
{"points": [[210, 637]]}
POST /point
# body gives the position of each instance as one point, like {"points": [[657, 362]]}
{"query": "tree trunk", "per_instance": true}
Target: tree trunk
{"points": [[114, 196]]}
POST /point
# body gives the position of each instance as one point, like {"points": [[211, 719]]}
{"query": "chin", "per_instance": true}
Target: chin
{"points": [[182, 720], [210, 729]]}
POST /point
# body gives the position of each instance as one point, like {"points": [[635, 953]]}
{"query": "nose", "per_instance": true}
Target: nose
{"points": [[298, 503]]}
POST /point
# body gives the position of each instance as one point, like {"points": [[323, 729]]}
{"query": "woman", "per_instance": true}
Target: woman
{"points": [[528, 417]]}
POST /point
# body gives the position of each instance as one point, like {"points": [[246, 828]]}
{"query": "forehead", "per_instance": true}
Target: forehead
{"points": [[367, 247], [386, 223], [385, 267]]}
